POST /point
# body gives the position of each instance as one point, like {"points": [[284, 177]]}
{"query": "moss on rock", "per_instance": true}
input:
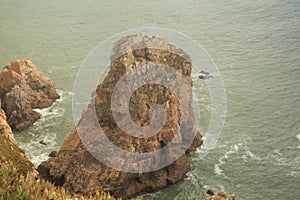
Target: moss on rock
{"points": [[10, 152]]}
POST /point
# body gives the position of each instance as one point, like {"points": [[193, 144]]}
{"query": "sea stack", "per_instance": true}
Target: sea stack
{"points": [[23, 88], [76, 169]]}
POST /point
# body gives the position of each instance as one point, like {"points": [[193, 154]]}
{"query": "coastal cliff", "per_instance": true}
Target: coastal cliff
{"points": [[10, 152], [18, 176], [78, 171]]}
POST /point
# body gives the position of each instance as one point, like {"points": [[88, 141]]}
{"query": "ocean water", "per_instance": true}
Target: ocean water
{"points": [[255, 44]]}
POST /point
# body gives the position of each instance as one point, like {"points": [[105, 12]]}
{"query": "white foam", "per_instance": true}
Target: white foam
{"points": [[217, 167], [251, 155], [278, 159], [218, 170], [37, 152], [54, 110], [64, 95], [50, 113], [298, 136], [293, 174]]}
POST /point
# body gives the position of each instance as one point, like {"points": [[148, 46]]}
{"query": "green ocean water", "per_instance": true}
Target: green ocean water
{"points": [[255, 44]]}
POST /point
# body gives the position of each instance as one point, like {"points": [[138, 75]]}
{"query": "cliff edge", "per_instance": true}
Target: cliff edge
{"points": [[9, 151]]}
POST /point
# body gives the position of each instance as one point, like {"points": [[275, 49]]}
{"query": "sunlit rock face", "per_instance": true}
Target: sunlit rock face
{"points": [[22, 89]]}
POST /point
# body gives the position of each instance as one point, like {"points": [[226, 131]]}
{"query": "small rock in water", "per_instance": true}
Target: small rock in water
{"points": [[42, 142], [53, 154], [30, 134], [210, 192], [204, 75], [222, 196]]}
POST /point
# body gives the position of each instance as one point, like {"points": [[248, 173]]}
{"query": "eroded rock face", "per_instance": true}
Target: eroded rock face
{"points": [[9, 151], [5, 129], [22, 89], [78, 171]]}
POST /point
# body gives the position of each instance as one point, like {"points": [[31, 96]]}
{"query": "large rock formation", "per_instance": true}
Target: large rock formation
{"points": [[9, 151], [78, 171], [22, 89]]}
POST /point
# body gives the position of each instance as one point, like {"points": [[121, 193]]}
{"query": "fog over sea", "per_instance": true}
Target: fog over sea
{"points": [[255, 44]]}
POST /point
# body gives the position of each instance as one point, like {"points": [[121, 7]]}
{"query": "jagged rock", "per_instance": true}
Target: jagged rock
{"points": [[204, 75], [5, 129], [222, 196], [9, 151], [78, 171], [53, 154], [42, 142], [210, 192], [22, 89]]}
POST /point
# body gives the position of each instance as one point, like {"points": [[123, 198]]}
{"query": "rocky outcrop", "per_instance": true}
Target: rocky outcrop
{"points": [[22, 89], [222, 196], [5, 130], [75, 166], [9, 151]]}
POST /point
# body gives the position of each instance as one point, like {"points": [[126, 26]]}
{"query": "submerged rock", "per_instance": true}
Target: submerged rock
{"points": [[53, 154], [78, 171], [222, 196], [9, 151], [23, 88], [42, 142], [204, 75], [210, 192]]}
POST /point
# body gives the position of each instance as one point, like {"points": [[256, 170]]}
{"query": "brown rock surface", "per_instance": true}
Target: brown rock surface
{"points": [[222, 196], [22, 89], [9, 151], [5, 129], [78, 171]]}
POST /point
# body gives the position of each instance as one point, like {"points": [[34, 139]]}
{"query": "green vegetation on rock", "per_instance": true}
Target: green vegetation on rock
{"points": [[12, 153], [13, 185]]}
